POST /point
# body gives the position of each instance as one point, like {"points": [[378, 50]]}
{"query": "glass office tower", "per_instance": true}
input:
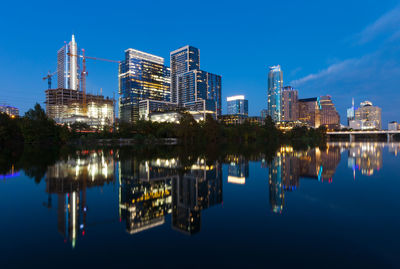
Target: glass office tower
{"points": [[190, 84], [68, 66], [275, 83], [237, 105], [142, 76]]}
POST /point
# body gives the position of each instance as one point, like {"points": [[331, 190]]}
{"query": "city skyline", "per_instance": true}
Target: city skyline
{"points": [[341, 68]]}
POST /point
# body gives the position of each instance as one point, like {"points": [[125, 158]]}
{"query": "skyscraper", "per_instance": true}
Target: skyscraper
{"points": [[289, 104], [367, 117], [309, 111], [142, 76], [68, 66], [350, 112], [275, 83], [237, 105], [329, 116], [191, 86]]}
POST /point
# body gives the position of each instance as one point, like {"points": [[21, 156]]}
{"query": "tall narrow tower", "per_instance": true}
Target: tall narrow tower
{"points": [[67, 66], [275, 83]]}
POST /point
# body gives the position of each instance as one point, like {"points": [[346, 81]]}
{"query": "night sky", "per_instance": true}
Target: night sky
{"points": [[341, 48]]}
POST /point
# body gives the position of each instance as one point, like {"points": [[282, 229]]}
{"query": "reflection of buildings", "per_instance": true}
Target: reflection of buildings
{"points": [[238, 169], [289, 166], [366, 157], [152, 189], [69, 179]]}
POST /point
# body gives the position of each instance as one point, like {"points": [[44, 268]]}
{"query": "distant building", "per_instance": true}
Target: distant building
{"points": [[237, 105], [148, 107], [142, 76], [264, 113], [350, 113], [174, 116], [190, 84], [367, 117], [289, 104], [10, 111], [275, 84], [329, 116], [68, 66], [309, 111], [393, 126], [232, 119], [256, 120]]}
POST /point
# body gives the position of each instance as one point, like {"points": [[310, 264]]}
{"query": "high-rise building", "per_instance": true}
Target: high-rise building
{"points": [[141, 76], [350, 112], [329, 116], [238, 105], [289, 104], [68, 66], [367, 117], [275, 84], [183, 60], [190, 84], [309, 111]]}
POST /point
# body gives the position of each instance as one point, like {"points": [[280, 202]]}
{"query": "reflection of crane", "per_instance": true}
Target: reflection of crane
{"points": [[48, 77], [84, 72]]}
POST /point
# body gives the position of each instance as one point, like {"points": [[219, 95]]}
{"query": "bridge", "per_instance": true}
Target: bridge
{"points": [[352, 134]]}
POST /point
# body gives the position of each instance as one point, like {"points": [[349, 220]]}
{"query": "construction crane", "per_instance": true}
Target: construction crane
{"points": [[48, 77], [84, 72]]}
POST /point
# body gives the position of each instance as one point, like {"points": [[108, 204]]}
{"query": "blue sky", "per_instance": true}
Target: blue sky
{"points": [[341, 48]]}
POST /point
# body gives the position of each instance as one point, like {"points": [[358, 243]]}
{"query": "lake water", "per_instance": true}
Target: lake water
{"points": [[337, 206]]}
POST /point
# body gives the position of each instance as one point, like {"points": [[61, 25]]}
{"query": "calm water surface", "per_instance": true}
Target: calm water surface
{"points": [[337, 206]]}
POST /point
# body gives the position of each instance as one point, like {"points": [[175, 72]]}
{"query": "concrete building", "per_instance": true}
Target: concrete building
{"points": [[393, 126], [329, 116], [309, 111], [367, 117], [66, 106], [11, 111], [289, 104], [232, 119]]}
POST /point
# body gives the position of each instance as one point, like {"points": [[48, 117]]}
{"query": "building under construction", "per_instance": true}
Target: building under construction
{"points": [[69, 106], [69, 103]]}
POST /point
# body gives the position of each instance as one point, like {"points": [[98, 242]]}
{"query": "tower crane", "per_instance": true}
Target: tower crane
{"points": [[84, 71], [48, 77]]}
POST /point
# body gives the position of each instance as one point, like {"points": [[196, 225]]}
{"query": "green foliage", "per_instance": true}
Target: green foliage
{"points": [[10, 132]]}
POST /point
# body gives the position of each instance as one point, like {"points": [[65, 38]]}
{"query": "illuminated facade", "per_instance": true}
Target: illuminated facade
{"points": [[350, 113], [190, 84], [329, 116], [149, 107], [232, 119], [367, 117], [10, 111], [66, 107], [142, 76], [289, 104], [309, 111], [237, 105], [68, 66], [275, 84]]}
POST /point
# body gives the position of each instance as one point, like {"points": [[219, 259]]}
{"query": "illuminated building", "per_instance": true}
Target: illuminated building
{"points": [[289, 104], [66, 106], [174, 117], [275, 84], [189, 84], [148, 107], [367, 117], [11, 111], [309, 111], [329, 116], [255, 120], [237, 105], [232, 119], [350, 113], [393, 126], [68, 66], [142, 76]]}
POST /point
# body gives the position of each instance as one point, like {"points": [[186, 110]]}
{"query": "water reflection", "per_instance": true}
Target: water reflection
{"points": [[149, 190], [154, 191], [69, 179]]}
